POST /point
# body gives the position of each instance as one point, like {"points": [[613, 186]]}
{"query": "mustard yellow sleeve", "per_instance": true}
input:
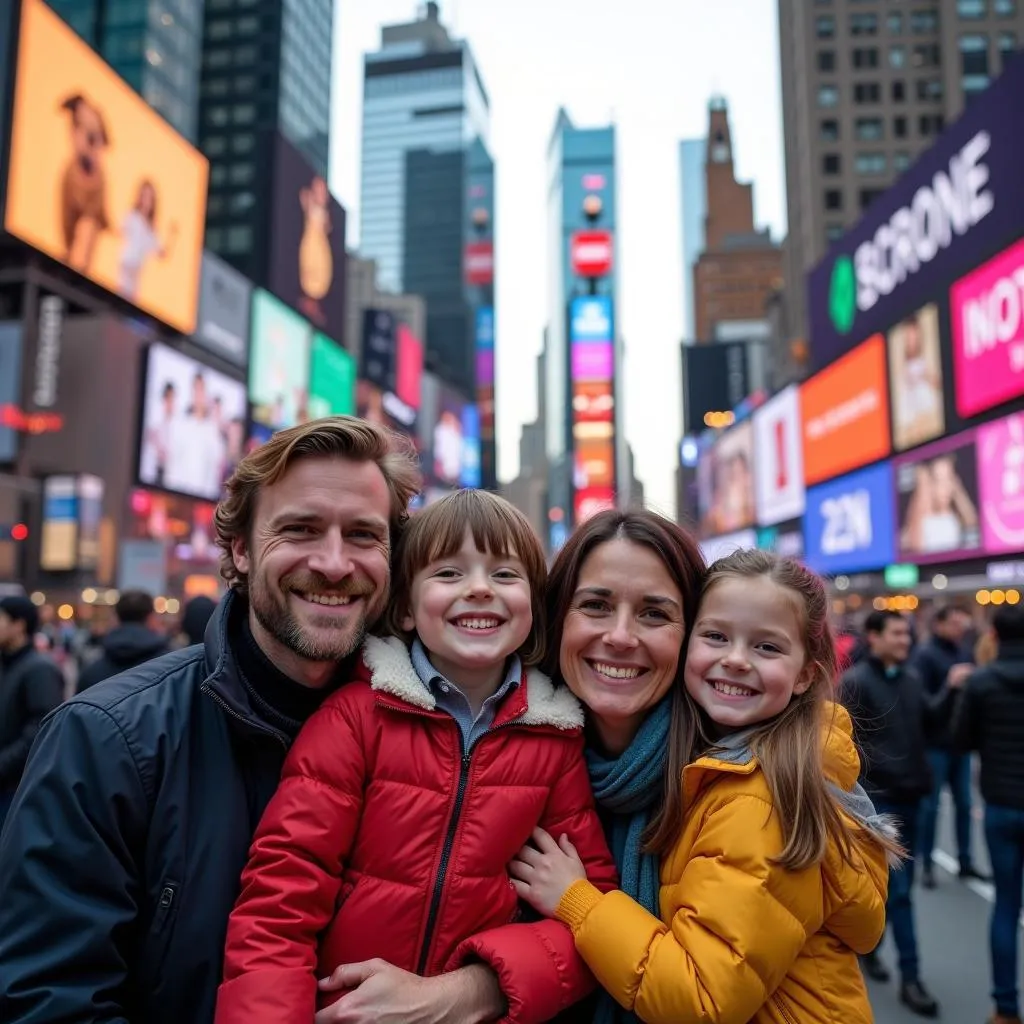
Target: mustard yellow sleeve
{"points": [[736, 923]]}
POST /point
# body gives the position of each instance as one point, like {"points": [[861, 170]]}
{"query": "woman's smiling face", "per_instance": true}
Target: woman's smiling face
{"points": [[622, 638]]}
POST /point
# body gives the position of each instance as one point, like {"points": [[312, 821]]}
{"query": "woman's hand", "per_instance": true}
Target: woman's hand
{"points": [[541, 876]]}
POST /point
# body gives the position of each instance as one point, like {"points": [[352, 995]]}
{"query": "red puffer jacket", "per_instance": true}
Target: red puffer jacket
{"points": [[384, 841]]}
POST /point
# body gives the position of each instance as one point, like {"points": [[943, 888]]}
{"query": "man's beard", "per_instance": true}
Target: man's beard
{"points": [[273, 613]]}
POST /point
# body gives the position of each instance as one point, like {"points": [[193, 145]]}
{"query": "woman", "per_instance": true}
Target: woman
{"points": [[621, 596]]}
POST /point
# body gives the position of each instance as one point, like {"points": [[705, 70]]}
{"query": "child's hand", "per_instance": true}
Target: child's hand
{"points": [[541, 876]]}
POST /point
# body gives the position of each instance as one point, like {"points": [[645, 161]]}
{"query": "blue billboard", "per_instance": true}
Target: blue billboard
{"points": [[591, 319], [469, 475], [850, 523]]}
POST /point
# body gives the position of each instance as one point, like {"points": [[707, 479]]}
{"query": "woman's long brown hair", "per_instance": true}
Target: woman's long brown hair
{"points": [[681, 556], [789, 747]]}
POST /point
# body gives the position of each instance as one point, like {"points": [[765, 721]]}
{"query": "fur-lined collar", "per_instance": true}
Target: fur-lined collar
{"points": [[392, 672]]}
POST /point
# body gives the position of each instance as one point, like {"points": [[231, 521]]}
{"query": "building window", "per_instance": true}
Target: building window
{"points": [[246, 55], [243, 143], [969, 10], [974, 55], [929, 89], [833, 199], [249, 25], [900, 161], [244, 113], [833, 232], [216, 88], [863, 24], [239, 239], [218, 176], [214, 238], [865, 57], [868, 129], [241, 202], [241, 174], [926, 56], [899, 127], [217, 29], [245, 84], [826, 60], [897, 56], [868, 195], [830, 131], [899, 91], [867, 92], [831, 164], [215, 59], [1007, 44], [214, 145], [1005, 8], [894, 23], [930, 124], [924, 22], [217, 117], [828, 96], [869, 163], [825, 26]]}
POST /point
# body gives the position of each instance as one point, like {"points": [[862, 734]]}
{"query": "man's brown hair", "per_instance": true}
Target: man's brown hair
{"points": [[438, 532], [334, 436]]}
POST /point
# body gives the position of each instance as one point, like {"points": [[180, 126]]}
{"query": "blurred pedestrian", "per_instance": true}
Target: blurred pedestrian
{"points": [[131, 642], [198, 612], [937, 661], [890, 708], [990, 719], [987, 648], [31, 686]]}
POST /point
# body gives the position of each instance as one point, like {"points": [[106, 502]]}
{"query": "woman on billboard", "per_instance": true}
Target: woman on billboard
{"points": [[139, 234], [941, 515]]}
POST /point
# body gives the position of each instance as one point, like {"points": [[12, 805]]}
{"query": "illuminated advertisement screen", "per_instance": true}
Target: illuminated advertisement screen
{"points": [[193, 425], [1001, 478], [99, 181], [915, 379], [779, 467], [725, 482], [409, 368], [278, 364], [937, 501], [332, 379]]}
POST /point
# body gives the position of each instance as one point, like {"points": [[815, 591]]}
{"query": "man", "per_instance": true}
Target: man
{"points": [[990, 719], [31, 686], [939, 661], [130, 643], [122, 855], [889, 708]]}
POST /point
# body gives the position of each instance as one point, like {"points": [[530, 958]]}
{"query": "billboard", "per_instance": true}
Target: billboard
{"points": [[278, 364], [915, 379], [448, 439], [379, 349], [1001, 479], [409, 368], [937, 501], [987, 310], [193, 425], [224, 300], [99, 181], [849, 524], [953, 209], [725, 482], [718, 547], [844, 413], [72, 510], [590, 253], [332, 379], [10, 387], [715, 379], [307, 262], [778, 446]]}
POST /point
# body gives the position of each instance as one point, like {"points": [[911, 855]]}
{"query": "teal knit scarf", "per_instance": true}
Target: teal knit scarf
{"points": [[628, 790]]}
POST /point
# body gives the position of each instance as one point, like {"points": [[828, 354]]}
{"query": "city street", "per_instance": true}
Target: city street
{"points": [[952, 930]]}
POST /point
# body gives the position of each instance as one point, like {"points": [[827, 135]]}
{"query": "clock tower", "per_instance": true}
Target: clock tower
{"points": [[730, 204]]}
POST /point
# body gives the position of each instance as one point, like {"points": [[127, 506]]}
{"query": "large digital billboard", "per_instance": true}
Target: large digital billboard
{"points": [[849, 524], [937, 501], [715, 379], [725, 482], [193, 425], [225, 297], [778, 447], [332, 379], [955, 207], [307, 259], [844, 413], [987, 310], [1001, 478], [915, 379], [99, 181], [278, 364]]}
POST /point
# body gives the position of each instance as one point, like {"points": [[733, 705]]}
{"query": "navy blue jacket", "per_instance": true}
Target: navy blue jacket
{"points": [[933, 660], [121, 857]]}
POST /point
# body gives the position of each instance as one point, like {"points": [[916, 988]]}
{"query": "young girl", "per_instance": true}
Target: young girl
{"points": [[779, 876], [407, 794]]}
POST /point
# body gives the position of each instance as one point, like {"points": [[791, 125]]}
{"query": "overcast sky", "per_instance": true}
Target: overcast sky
{"points": [[650, 71]]}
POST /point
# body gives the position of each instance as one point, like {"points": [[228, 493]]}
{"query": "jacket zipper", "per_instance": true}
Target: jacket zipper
{"points": [[777, 1000], [223, 705], [442, 870]]}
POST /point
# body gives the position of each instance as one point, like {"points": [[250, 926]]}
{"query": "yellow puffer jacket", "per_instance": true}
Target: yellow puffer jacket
{"points": [[740, 939]]}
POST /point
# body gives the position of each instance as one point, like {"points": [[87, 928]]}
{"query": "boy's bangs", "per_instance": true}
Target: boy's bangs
{"points": [[493, 531]]}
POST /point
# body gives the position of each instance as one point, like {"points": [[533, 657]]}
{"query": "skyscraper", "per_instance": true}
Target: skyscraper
{"points": [[865, 89], [692, 154], [426, 119], [155, 45]]}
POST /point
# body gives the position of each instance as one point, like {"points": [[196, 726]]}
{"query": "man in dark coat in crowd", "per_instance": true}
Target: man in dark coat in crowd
{"points": [[131, 642]]}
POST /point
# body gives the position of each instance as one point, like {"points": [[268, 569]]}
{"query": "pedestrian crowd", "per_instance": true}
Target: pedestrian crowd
{"points": [[405, 771]]}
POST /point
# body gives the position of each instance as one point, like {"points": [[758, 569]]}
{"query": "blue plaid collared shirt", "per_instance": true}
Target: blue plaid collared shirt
{"points": [[454, 702]]}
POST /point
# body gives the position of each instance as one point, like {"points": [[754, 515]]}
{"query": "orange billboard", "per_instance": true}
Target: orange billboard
{"points": [[844, 413], [98, 180]]}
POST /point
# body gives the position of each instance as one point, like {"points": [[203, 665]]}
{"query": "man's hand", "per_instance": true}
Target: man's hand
{"points": [[377, 992], [958, 675]]}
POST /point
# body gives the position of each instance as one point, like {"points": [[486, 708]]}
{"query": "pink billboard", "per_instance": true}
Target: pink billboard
{"points": [[593, 360], [1001, 476], [987, 309]]}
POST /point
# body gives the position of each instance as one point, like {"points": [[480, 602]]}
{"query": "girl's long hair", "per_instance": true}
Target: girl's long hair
{"points": [[789, 747]]}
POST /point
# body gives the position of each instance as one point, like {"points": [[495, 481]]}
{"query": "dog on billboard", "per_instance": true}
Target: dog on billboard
{"points": [[83, 193], [316, 263]]}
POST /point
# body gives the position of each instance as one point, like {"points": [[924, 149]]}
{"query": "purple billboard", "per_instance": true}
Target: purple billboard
{"points": [[958, 205]]}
